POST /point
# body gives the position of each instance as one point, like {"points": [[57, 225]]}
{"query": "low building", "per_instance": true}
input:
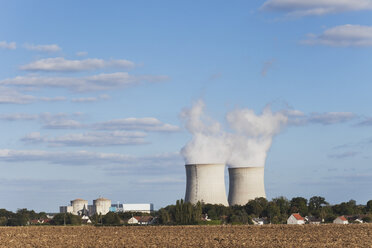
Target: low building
{"points": [[134, 220], [312, 220], [259, 221], [341, 220], [143, 208], [358, 221], [39, 221], [85, 219], [145, 220], [295, 219]]}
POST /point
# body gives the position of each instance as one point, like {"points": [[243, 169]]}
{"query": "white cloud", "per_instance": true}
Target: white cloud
{"points": [[63, 124], [60, 64], [79, 158], [161, 180], [316, 7], [53, 99], [81, 54], [343, 36], [99, 82], [18, 117], [11, 96], [48, 120], [144, 124], [297, 118], [89, 139], [365, 122], [70, 121], [8, 45], [331, 117], [343, 155], [90, 99], [43, 48]]}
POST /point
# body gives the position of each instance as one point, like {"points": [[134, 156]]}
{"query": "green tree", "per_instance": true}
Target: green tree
{"points": [[17, 220], [256, 207], [164, 217], [111, 219], [299, 205], [273, 212], [316, 203], [3, 221], [6, 213], [240, 217], [346, 208], [369, 206], [284, 207], [197, 212], [66, 218]]}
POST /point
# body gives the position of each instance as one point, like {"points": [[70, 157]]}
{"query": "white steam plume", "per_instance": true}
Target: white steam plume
{"points": [[208, 139], [253, 135], [246, 145]]}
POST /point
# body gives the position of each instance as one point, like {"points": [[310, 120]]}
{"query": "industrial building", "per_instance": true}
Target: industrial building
{"points": [[103, 206], [133, 207], [206, 183], [245, 184], [78, 205], [81, 207]]}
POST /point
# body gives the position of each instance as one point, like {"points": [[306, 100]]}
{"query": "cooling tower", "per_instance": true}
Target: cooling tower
{"points": [[246, 184], [205, 183]]}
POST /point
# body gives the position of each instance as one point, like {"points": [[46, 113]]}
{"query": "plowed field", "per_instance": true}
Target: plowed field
{"points": [[189, 236]]}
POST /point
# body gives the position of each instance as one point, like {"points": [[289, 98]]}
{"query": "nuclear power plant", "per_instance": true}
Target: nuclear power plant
{"points": [[102, 206], [206, 183]]}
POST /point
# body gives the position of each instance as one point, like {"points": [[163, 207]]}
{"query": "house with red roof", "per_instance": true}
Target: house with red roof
{"points": [[295, 219], [341, 220]]}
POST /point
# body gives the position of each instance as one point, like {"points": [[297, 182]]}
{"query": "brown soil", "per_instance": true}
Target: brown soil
{"points": [[189, 236]]}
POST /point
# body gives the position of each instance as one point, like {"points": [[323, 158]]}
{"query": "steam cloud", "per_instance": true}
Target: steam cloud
{"points": [[245, 144]]}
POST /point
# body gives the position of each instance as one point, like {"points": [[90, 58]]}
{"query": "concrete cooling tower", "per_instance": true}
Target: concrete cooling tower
{"points": [[205, 182], [246, 184]]}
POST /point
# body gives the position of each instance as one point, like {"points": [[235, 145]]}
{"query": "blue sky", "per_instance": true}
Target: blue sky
{"points": [[91, 93]]}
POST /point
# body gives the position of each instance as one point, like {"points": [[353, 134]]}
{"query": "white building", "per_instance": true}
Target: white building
{"points": [[296, 219], [340, 220], [143, 208], [259, 221], [133, 220]]}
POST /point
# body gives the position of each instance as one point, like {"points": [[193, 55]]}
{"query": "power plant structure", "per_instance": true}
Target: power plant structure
{"points": [[101, 205], [78, 205], [205, 183], [245, 184]]}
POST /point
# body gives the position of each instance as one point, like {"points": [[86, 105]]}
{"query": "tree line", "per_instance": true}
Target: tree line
{"points": [[275, 211]]}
